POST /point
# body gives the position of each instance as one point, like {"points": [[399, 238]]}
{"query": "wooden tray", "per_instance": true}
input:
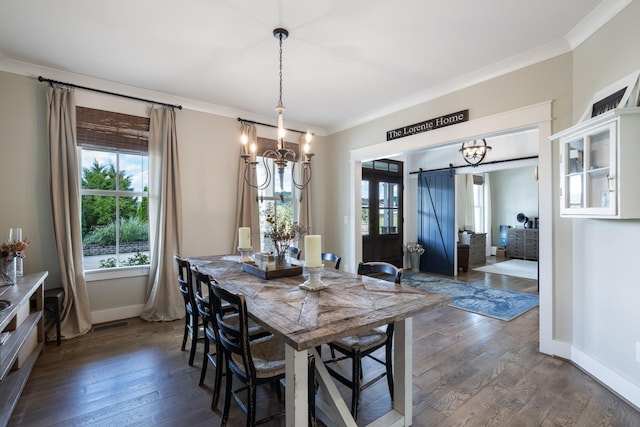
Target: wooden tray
{"points": [[252, 268]]}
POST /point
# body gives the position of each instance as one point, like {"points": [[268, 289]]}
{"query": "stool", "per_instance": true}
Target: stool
{"points": [[53, 303]]}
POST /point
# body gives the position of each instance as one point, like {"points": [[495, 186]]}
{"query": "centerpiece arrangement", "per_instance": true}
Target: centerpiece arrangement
{"points": [[282, 231], [10, 250], [415, 250]]}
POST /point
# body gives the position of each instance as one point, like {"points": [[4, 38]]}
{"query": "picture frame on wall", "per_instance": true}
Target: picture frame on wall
{"points": [[623, 93]]}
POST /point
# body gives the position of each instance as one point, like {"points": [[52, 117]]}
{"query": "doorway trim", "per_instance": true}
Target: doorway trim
{"points": [[536, 116]]}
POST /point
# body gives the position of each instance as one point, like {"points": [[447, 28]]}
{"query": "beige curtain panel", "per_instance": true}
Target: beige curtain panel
{"points": [[247, 214], [61, 123], [164, 302], [305, 196]]}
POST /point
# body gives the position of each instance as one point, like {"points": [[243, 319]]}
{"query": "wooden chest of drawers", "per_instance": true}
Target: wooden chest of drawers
{"points": [[477, 247], [522, 243]]}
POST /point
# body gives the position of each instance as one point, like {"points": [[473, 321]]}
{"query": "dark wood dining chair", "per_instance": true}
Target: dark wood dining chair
{"points": [[212, 353], [357, 347], [192, 321], [254, 362], [329, 257], [294, 252], [382, 270]]}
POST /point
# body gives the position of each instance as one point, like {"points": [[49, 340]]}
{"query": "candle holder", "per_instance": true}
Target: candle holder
{"points": [[314, 283], [244, 254]]}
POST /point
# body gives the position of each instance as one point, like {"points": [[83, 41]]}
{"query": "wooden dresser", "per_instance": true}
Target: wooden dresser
{"points": [[477, 247], [522, 243], [23, 320]]}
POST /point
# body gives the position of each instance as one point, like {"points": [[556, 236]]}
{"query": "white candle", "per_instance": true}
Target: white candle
{"points": [[312, 251], [244, 237]]}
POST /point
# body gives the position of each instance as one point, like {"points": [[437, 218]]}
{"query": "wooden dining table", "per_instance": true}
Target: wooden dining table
{"points": [[350, 304]]}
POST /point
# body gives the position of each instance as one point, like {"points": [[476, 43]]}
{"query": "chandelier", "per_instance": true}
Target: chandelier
{"points": [[282, 155], [474, 151]]}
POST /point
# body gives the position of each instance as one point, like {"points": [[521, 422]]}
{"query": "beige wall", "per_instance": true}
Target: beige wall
{"points": [[208, 155], [549, 80], [606, 316], [24, 166]]}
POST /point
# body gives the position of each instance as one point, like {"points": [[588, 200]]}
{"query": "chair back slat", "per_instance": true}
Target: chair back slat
{"points": [[294, 252], [203, 302], [185, 280], [380, 268], [330, 257], [233, 330]]}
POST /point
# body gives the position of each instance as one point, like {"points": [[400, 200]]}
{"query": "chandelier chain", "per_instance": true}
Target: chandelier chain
{"points": [[275, 161], [280, 99]]}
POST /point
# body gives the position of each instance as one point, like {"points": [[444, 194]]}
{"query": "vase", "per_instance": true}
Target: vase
{"points": [[8, 271], [15, 234], [281, 261], [414, 257]]}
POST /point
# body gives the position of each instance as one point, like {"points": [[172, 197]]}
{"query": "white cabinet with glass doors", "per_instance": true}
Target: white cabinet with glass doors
{"points": [[599, 166]]}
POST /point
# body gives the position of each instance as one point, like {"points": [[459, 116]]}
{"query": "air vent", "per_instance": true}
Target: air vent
{"points": [[110, 326]]}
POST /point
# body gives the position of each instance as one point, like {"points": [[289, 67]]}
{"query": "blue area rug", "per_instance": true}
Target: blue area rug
{"points": [[499, 303]]}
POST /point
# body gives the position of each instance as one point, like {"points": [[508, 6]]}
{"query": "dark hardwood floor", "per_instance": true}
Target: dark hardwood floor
{"points": [[468, 370]]}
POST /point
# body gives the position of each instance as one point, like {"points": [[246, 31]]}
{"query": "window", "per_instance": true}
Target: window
{"points": [[276, 199], [114, 189], [478, 204], [364, 227], [388, 206]]}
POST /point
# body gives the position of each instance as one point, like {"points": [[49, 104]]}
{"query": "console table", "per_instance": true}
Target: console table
{"points": [[23, 321]]}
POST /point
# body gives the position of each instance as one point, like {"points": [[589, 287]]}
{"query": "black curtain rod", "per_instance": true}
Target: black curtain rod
{"points": [[240, 119], [469, 166], [51, 82]]}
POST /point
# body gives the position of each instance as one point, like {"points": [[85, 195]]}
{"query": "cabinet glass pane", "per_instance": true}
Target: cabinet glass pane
{"points": [[598, 189], [576, 156], [575, 191], [599, 150]]}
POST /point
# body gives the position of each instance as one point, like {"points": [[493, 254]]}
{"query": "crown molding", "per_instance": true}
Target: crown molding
{"points": [[497, 69], [591, 23], [33, 71]]}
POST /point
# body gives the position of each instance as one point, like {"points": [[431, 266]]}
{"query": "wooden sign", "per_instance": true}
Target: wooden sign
{"points": [[427, 125]]}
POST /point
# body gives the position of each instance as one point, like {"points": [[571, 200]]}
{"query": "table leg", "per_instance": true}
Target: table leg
{"points": [[334, 409], [296, 391], [403, 372]]}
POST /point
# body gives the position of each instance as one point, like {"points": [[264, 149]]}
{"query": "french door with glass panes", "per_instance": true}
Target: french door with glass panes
{"points": [[382, 211]]}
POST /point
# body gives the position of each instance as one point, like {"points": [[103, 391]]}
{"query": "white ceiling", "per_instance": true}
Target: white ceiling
{"points": [[345, 61]]}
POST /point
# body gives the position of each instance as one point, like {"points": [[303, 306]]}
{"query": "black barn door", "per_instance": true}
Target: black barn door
{"points": [[436, 221]]}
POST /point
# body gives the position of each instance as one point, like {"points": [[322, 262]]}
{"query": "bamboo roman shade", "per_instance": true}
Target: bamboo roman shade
{"points": [[114, 131], [265, 144]]}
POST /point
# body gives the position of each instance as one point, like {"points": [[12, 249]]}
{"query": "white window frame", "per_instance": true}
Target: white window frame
{"points": [[118, 271], [479, 208], [274, 196]]}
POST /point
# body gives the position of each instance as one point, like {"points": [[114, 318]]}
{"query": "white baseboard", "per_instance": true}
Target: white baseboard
{"points": [[556, 348], [118, 313], [615, 382]]}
